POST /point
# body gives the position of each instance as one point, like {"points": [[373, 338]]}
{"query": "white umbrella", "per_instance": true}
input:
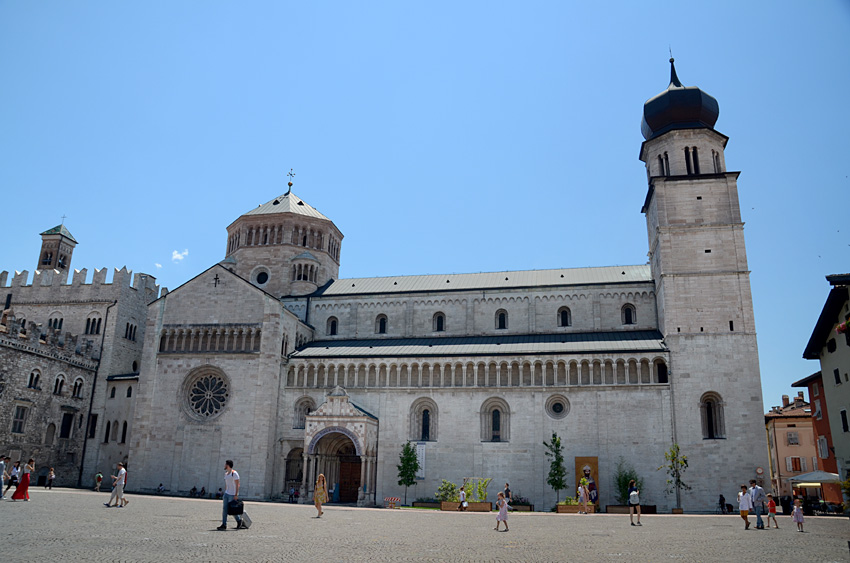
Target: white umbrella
{"points": [[816, 477]]}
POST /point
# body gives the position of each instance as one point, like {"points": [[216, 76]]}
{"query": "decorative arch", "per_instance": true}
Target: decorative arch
{"points": [[303, 407], [358, 448], [495, 420], [711, 409], [423, 420]]}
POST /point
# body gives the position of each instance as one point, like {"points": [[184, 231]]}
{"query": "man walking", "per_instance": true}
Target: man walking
{"points": [[231, 492], [117, 487], [758, 497]]}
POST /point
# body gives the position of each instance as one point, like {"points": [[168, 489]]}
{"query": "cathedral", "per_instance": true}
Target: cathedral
{"points": [[269, 359]]}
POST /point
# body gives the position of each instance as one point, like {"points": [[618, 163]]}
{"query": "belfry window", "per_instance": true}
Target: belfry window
{"points": [[688, 161], [629, 315], [48, 259], [564, 317], [501, 319], [381, 324], [695, 157], [332, 326], [439, 322]]}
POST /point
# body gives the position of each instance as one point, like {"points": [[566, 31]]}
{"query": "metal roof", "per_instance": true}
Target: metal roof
{"points": [[60, 230], [287, 203], [490, 280], [568, 343]]}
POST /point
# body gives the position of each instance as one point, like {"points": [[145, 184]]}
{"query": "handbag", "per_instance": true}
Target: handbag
{"points": [[235, 507], [634, 498]]}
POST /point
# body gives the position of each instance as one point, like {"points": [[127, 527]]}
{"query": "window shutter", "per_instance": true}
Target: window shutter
{"points": [[814, 464], [803, 464], [788, 464]]}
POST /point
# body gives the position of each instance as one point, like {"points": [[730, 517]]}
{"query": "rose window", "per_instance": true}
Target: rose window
{"points": [[207, 395]]}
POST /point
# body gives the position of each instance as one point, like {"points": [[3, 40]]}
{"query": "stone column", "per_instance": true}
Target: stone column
{"points": [[360, 493], [304, 477]]}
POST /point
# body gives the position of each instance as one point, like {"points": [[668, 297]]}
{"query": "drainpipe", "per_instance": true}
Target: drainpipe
{"points": [[91, 398]]}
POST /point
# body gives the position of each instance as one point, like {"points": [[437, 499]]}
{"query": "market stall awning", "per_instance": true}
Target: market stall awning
{"points": [[818, 477]]}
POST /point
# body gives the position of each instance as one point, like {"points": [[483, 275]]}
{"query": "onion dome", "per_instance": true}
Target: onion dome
{"points": [[678, 107]]}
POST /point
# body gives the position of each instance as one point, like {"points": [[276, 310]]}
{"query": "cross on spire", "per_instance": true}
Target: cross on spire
{"points": [[63, 220], [291, 175]]}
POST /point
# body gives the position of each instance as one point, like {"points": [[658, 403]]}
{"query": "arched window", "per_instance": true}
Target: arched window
{"points": [[303, 407], [332, 326], [93, 324], [51, 434], [423, 420], [711, 413], [564, 317], [629, 314], [48, 259], [130, 391], [78, 388], [501, 319], [124, 433], [439, 322], [58, 385], [661, 375], [114, 430], [112, 393], [381, 324], [495, 420], [106, 434], [33, 382]]}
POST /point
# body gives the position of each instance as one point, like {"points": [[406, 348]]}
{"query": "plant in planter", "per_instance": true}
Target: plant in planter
{"points": [[622, 476], [518, 501], [447, 492], [557, 472], [676, 464], [481, 489], [407, 467]]}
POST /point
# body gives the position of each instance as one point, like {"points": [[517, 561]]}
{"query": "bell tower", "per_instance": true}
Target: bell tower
{"points": [[57, 247], [698, 261]]}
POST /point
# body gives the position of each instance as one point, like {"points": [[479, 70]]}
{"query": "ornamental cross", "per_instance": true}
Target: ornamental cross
{"points": [[63, 219], [216, 280]]}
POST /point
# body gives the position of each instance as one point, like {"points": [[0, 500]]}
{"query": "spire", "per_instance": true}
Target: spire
{"points": [[674, 80]]}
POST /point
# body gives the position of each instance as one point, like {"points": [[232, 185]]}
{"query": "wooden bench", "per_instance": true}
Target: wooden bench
{"points": [[390, 502]]}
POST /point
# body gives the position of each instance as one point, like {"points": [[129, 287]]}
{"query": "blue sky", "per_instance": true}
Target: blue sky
{"points": [[440, 137]]}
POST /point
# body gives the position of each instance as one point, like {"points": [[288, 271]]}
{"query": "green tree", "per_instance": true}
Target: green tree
{"points": [[625, 473], [407, 467], [675, 466], [557, 478]]}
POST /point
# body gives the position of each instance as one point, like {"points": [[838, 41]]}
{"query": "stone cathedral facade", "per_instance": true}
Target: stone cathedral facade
{"points": [[269, 359]]}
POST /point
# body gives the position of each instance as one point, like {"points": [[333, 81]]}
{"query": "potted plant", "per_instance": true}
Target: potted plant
{"points": [[476, 495], [521, 503], [623, 475], [570, 505], [449, 495], [676, 464]]}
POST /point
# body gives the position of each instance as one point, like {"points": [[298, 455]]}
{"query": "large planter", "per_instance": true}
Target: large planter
{"points": [[678, 511], [574, 508], [522, 507], [426, 505], [624, 509], [473, 506]]}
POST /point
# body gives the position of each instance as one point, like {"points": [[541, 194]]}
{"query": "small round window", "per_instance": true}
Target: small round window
{"points": [[262, 278], [557, 406]]}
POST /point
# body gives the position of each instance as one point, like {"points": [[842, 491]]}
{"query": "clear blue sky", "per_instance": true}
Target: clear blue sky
{"points": [[439, 136]]}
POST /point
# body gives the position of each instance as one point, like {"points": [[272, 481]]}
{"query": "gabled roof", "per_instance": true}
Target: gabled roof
{"points": [[60, 230], [489, 280], [826, 322], [287, 203], [637, 341]]}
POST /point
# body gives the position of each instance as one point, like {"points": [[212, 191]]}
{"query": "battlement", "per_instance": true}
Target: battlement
{"points": [[48, 285], [78, 350]]}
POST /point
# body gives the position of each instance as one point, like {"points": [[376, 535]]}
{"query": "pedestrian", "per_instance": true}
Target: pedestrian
{"points": [[291, 495], [502, 516], [13, 476], [320, 494], [4, 474], [124, 500], [583, 495], [508, 495], [758, 499], [218, 494], [203, 492], [797, 515], [50, 477], [117, 487], [634, 503], [771, 511], [463, 504], [98, 479], [231, 492], [22, 491], [745, 503], [722, 503]]}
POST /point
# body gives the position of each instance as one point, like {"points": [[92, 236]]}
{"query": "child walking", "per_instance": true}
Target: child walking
{"points": [[771, 511], [797, 515], [502, 516]]}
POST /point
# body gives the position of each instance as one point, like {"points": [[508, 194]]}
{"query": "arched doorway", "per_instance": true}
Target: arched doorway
{"points": [[338, 460], [294, 469]]}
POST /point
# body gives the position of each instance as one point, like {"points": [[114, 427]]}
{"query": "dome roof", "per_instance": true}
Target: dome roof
{"points": [[287, 203], [678, 107]]}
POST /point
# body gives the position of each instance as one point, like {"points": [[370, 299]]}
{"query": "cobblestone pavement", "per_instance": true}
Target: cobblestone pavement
{"points": [[73, 525]]}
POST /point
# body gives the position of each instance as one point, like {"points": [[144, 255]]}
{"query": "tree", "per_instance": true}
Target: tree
{"points": [[557, 472], [622, 476], [675, 466], [407, 467]]}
